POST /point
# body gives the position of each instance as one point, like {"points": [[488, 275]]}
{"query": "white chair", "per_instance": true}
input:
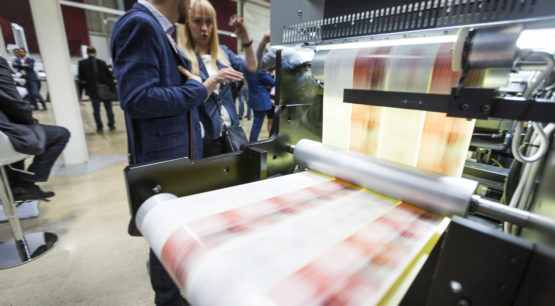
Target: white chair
{"points": [[23, 248]]}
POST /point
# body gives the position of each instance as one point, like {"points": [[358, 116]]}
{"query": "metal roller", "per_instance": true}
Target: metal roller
{"points": [[441, 194], [431, 191], [512, 215], [492, 47], [150, 203], [318, 64]]}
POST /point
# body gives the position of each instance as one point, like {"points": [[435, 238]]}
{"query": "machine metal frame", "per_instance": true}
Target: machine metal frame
{"points": [[380, 17], [300, 99], [499, 269]]}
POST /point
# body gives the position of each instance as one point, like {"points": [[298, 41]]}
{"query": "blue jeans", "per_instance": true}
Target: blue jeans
{"points": [[34, 93], [96, 113], [165, 290], [243, 100], [257, 125], [56, 140]]}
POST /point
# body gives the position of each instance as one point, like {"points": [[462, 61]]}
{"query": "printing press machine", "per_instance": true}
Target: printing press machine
{"points": [[476, 262]]}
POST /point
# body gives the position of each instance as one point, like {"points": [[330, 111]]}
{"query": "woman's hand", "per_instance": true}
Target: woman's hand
{"points": [[240, 29], [223, 76], [226, 75]]}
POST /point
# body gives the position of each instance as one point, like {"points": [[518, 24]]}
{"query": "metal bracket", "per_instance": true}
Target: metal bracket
{"points": [[479, 265], [183, 176], [469, 102]]}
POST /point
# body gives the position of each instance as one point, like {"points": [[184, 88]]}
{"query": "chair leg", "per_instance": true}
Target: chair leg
{"points": [[23, 248], [9, 209]]}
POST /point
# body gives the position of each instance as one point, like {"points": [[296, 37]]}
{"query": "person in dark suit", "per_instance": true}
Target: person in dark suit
{"points": [[27, 136], [159, 97], [26, 66], [92, 71]]}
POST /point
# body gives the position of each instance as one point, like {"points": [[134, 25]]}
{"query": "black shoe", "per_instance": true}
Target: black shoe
{"points": [[30, 193], [100, 130], [112, 128]]}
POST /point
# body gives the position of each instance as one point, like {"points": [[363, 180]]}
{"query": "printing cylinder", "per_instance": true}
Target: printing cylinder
{"points": [[441, 194], [492, 47], [149, 204], [318, 64]]}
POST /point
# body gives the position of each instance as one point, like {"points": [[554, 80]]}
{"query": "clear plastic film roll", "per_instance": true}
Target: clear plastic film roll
{"points": [[422, 139]]}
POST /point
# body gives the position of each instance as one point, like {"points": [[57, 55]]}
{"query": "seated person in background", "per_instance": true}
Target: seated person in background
{"points": [[259, 101], [198, 39], [26, 66], [16, 122]]}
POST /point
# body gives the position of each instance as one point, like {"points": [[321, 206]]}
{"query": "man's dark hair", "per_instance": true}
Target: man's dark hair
{"points": [[91, 50]]}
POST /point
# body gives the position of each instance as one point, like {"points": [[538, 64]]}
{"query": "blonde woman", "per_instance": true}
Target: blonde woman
{"points": [[198, 40]]}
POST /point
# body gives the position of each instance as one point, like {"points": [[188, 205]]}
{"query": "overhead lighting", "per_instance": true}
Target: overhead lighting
{"points": [[537, 40]]}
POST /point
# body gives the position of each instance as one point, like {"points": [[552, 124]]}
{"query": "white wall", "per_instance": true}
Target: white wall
{"points": [[102, 48], [257, 19]]}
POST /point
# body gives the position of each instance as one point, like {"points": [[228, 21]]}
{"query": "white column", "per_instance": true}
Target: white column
{"points": [[120, 5], [3, 51], [51, 35]]}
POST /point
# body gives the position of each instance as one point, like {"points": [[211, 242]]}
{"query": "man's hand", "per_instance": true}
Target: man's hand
{"points": [[265, 38], [240, 29], [189, 75]]}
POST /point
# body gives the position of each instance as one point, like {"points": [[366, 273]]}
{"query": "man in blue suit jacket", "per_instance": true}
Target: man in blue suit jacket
{"points": [[26, 66], [160, 105], [156, 101]]}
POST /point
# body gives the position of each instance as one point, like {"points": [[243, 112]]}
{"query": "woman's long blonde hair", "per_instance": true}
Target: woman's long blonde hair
{"points": [[186, 43]]}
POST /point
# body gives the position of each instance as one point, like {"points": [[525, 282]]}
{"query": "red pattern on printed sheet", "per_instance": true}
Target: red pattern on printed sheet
{"points": [[369, 73], [190, 241], [360, 269]]}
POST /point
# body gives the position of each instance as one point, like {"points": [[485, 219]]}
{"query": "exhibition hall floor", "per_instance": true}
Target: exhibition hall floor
{"points": [[94, 262]]}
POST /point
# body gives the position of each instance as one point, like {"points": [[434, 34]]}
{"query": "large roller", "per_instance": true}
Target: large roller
{"points": [[441, 194]]}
